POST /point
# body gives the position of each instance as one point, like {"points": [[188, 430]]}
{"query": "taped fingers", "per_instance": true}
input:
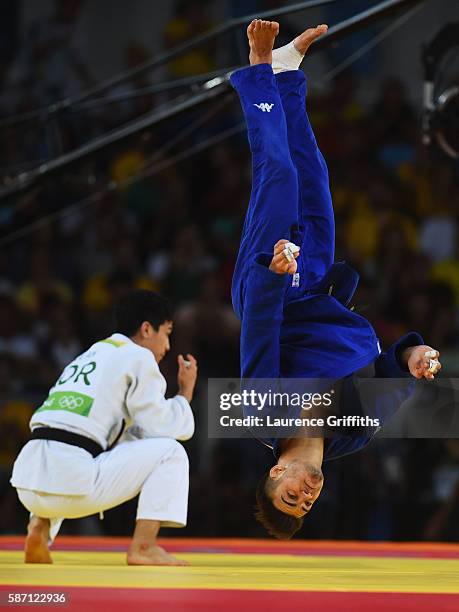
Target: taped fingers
{"points": [[434, 366], [432, 362], [290, 251], [288, 254]]}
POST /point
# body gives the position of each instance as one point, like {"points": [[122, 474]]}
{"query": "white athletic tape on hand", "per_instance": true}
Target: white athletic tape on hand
{"points": [[288, 254], [293, 248], [433, 361], [289, 250], [187, 363]]}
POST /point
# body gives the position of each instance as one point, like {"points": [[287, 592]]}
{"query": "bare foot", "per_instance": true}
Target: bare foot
{"points": [[152, 555], [36, 544], [261, 35], [305, 40]]}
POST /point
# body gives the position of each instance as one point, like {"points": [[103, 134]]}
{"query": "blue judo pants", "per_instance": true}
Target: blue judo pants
{"points": [[290, 189]]}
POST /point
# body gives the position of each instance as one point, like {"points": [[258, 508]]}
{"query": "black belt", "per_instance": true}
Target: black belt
{"points": [[61, 435]]}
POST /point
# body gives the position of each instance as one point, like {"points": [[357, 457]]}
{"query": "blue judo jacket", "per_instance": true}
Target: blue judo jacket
{"points": [[317, 336]]}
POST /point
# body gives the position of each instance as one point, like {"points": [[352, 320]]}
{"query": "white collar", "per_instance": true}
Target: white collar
{"points": [[120, 338]]}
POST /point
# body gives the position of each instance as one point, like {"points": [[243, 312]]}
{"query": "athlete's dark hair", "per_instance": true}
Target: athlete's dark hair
{"points": [[135, 307], [278, 524]]}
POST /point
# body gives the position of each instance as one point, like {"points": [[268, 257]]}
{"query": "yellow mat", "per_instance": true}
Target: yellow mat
{"points": [[239, 571]]}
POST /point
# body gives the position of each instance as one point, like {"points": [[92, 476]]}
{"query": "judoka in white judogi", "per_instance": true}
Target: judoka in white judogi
{"points": [[114, 379]]}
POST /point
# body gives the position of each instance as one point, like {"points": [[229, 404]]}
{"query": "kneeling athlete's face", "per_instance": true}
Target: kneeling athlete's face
{"points": [[157, 341]]}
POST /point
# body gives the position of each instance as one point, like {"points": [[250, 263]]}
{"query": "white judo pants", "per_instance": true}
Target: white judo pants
{"points": [[157, 468]]}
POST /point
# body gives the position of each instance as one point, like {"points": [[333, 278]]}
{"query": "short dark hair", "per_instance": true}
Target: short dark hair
{"points": [[278, 524], [137, 306]]}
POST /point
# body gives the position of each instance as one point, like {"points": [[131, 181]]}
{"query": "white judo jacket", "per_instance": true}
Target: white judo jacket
{"points": [[114, 379]]}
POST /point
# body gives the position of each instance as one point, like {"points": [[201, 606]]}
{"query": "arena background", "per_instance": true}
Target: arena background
{"points": [[74, 241]]}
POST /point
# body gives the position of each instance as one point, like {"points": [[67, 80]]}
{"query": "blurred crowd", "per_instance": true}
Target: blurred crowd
{"points": [[176, 231]]}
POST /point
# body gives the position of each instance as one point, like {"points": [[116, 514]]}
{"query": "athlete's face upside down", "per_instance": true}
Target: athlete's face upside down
{"points": [[295, 486], [288, 491]]}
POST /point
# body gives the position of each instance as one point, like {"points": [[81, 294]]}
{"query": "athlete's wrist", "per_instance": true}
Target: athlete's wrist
{"points": [[405, 355], [187, 393]]}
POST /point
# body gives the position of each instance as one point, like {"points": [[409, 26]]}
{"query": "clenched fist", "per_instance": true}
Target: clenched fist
{"points": [[186, 377], [420, 364], [280, 264]]}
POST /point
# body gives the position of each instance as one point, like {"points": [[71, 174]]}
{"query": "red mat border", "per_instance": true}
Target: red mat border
{"points": [[208, 600], [434, 550]]}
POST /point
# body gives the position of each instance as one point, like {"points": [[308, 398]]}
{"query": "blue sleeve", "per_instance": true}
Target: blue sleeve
{"points": [[389, 365], [261, 320], [376, 400]]}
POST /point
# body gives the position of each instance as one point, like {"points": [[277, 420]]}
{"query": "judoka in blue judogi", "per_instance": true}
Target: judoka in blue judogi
{"points": [[295, 316]]}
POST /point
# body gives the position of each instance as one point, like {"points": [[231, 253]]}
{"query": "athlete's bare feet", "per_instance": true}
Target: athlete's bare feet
{"points": [[152, 555], [144, 550], [305, 40], [261, 35], [36, 544]]}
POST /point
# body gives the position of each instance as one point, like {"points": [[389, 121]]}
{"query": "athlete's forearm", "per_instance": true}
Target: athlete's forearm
{"points": [[261, 323]]}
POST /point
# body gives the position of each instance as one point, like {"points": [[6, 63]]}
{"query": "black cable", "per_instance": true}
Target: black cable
{"points": [[218, 85], [112, 186], [25, 179], [160, 60]]}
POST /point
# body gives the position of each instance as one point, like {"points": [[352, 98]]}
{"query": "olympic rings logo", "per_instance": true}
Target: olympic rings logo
{"points": [[70, 402]]}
